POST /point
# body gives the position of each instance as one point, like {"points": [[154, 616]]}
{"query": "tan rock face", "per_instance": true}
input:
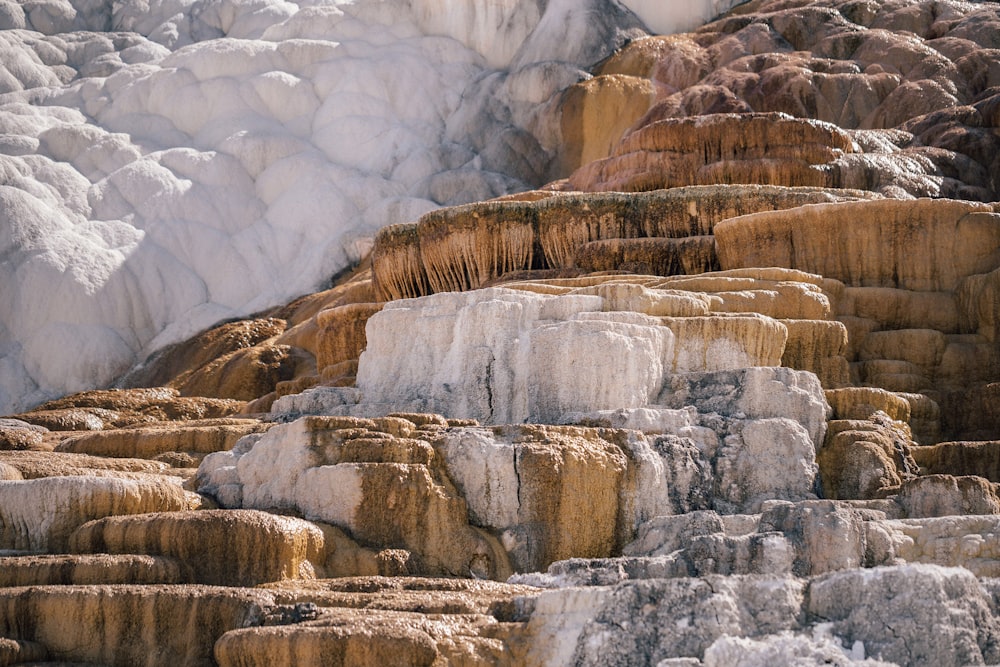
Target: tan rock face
{"points": [[875, 242], [179, 360], [341, 336], [97, 624], [244, 374], [720, 148], [864, 459], [32, 465], [466, 247], [388, 621], [40, 514], [218, 547], [596, 113], [96, 410], [89, 569], [19, 435], [152, 441]]}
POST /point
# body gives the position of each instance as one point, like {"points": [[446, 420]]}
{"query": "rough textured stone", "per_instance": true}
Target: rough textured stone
{"points": [[90, 569], [891, 610], [97, 624], [16, 434], [876, 242], [41, 514], [149, 442], [220, 547]]}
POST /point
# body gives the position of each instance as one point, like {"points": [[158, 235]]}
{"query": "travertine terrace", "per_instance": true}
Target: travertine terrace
{"points": [[698, 367]]}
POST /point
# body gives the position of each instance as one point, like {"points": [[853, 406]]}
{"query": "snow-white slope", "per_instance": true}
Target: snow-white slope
{"points": [[165, 164]]}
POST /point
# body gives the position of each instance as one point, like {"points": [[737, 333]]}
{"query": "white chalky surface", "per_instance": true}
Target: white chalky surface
{"points": [[166, 164]]}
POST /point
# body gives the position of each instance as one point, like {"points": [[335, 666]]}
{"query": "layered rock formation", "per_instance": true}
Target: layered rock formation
{"points": [[728, 393]]}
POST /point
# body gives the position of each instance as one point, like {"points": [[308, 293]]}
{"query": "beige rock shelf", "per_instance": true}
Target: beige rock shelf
{"points": [[727, 394]]}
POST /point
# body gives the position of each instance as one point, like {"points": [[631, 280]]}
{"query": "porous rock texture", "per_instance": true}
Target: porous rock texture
{"points": [[725, 393]]}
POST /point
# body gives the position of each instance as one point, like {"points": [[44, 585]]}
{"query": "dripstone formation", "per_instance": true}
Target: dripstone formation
{"points": [[723, 391]]}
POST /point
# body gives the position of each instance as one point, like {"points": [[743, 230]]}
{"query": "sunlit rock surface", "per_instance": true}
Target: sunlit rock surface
{"points": [[749, 419], [165, 164]]}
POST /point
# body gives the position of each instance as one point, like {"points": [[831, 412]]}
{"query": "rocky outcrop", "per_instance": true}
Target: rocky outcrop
{"points": [[749, 419], [485, 500], [224, 548], [97, 624], [18, 435], [468, 246], [41, 514], [377, 620], [875, 242], [95, 410], [840, 617], [89, 569], [909, 89], [150, 442], [770, 149]]}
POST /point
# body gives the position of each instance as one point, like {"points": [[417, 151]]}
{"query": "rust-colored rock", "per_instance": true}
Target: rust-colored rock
{"points": [[183, 358], [342, 333], [440, 252], [596, 113], [244, 374], [649, 256]]}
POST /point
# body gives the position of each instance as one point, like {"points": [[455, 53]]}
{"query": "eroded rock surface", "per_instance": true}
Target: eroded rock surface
{"points": [[749, 418]]}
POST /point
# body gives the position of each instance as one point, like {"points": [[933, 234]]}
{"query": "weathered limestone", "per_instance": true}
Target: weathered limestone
{"points": [[773, 149], [863, 402], [351, 637], [503, 356], [385, 488], [218, 547], [468, 498], [596, 113], [580, 351], [444, 251], [870, 243], [753, 393], [946, 495], [803, 539], [175, 363], [717, 343], [89, 569], [98, 624], [99, 409], [851, 67], [960, 458], [818, 346], [244, 374], [341, 334], [649, 256], [41, 514], [891, 609], [656, 619], [17, 435], [864, 459], [32, 465], [150, 442]]}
